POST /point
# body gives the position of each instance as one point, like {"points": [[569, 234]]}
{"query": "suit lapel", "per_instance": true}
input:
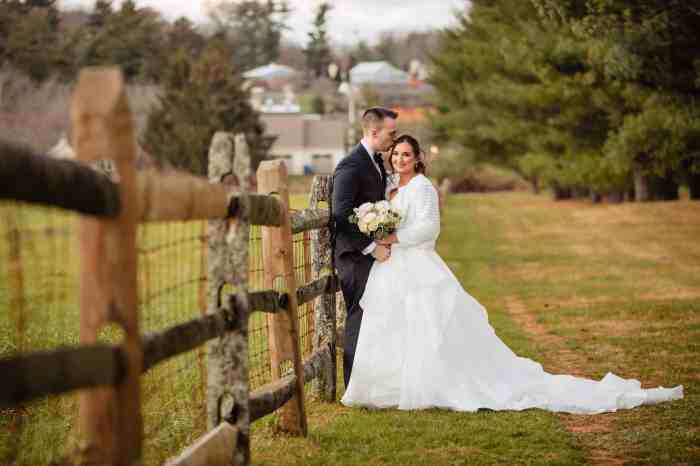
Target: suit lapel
{"points": [[362, 152]]}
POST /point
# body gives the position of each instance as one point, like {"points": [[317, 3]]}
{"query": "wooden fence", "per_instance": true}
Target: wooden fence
{"points": [[108, 376]]}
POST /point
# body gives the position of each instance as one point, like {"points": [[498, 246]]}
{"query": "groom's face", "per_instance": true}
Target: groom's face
{"points": [[384, 135]]}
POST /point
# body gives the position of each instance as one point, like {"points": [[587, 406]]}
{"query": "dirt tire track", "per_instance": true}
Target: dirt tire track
{"points": [[561, 360]]}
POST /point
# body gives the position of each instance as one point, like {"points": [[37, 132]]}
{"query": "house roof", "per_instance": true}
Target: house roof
{"points": [[271, 71], [299, 131], [377, 72]]}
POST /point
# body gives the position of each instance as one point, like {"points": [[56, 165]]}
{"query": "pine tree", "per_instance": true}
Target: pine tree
{"points": [[201, 98], [318, 50], [29, 38], [253, 28], [100, 14], [582, 96], [648, 50], [183, 33], [130, 37]]}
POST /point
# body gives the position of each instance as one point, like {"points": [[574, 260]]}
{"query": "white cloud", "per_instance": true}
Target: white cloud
{"points": [[349, 20]]}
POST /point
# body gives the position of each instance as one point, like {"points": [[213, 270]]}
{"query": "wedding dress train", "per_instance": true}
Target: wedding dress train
{"points": [[425, 342]]}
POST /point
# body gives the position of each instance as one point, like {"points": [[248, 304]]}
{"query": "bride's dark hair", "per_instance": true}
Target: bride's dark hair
{"points": [[417, 152]]}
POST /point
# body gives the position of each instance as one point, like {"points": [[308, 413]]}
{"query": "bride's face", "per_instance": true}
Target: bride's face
{"points": [[403, 160]]}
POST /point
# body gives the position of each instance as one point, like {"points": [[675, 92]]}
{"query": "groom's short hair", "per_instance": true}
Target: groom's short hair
{"points": [[374, 116]]}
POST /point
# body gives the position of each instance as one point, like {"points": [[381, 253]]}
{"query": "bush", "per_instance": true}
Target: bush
{"points": [[198, 99]]}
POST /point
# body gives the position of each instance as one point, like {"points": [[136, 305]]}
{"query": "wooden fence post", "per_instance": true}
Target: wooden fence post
{"points": [[227, 374], [324, 308], [278, 263], [110, 417]]}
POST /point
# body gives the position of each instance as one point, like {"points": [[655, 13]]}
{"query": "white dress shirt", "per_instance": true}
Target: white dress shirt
{"points": [[372, 246], [371, 155]]}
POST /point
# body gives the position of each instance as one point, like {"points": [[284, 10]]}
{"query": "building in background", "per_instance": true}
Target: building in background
{"points": [[382, 82], [377, 72], [274, 88], [273, 75], [308, 144]]}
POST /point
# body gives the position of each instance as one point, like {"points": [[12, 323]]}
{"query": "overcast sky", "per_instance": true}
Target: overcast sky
{"points": [[349, 21]]}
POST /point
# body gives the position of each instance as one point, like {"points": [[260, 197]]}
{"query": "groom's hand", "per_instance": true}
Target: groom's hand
{"points": [[389, 240], [381, 253]]}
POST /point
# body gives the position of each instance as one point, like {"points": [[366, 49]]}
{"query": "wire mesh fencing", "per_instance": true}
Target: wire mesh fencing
{"points": [[39, 310]]}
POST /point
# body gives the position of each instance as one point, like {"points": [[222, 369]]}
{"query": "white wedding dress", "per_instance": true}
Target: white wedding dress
{"points": [[425, 342]]}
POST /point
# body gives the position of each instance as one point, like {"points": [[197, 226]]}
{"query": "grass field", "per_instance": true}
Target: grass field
{"points": [[584, 289], [39, 310]]}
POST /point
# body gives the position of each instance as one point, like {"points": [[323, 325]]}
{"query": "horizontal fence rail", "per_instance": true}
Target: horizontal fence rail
{"points": [[36, 375], [309, 219], [269, 398], [109, 375], [31, 177], [162, 196]]}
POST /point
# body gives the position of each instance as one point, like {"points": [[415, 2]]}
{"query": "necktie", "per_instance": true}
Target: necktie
{"points": [[379, 161]]}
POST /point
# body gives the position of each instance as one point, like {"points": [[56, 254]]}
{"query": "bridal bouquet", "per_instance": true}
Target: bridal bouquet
{"points": [[377, 220]]}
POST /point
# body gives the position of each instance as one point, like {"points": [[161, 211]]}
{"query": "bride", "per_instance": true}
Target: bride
{"points": [[425, 342]]}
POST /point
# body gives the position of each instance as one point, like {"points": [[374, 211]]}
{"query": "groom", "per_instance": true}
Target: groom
{"points": [[359, 177]]}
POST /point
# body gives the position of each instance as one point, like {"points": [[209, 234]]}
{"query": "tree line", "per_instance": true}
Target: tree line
{"points": [[586, 98], [198, 72]]}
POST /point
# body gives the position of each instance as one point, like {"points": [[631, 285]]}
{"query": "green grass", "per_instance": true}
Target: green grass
{"points": [[344, 436], [618, 285], [171, 275]]}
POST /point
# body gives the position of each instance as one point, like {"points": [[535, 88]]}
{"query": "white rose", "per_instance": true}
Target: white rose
{"points": [[373, 225], [364, 209], [382, 206], [362, 226], [369, 217]]}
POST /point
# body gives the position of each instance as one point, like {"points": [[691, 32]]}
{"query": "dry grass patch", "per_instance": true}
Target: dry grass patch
{"points": [[609, 288]]}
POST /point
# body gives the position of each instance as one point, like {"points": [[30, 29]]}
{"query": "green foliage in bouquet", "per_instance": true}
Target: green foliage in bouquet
{"points": [[376, 220]]}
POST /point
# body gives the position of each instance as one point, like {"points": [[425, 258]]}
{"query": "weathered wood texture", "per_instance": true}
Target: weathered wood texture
{"points": [[272, 302], [41, 374], [157, 347], [170, 195], [309, 219], [220, 164], [266, 301], [175, 196], [328, 284], [278, 265], [36, 375], [215, 448], [162, 196], [271, 397], [30, 177], [325, 307], [227, 373], [110, 417], [261, 210], [237, 371]]}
